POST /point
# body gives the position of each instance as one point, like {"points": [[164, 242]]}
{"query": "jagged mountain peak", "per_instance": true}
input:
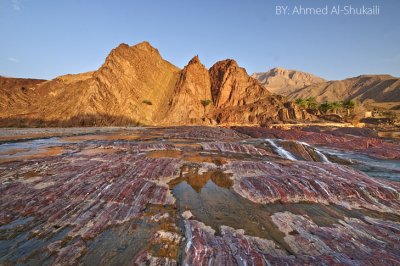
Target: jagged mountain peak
{"points": [[135, 84], [225, 64], [194, 60]]}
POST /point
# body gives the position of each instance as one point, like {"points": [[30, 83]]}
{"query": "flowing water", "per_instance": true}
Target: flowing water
{"points": [[280, 151], [206, 192]]}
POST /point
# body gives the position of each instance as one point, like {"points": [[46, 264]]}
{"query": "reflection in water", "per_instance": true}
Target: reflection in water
{"points": [[208, 194], [24, 154], [197, 180], [211, 200], [118, 245]]}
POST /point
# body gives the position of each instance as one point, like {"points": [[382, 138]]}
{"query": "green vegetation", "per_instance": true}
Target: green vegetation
{"points": [[309, 103], [327, 107], [349, 106], [206, 102], [147, 102]]}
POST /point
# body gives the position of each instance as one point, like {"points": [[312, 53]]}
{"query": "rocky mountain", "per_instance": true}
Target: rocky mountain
{"points": [[295, 84], [282, 81], [380, 88], [192, 87], [136, 85], [14, 92]]}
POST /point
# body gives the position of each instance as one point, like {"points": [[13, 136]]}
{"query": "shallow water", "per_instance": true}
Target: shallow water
{"points": [[200, 186], [30, 149], [374, 167]]}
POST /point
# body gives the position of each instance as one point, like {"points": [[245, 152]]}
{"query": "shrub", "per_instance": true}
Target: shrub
{"points": [[147, 102], [205, 102]]}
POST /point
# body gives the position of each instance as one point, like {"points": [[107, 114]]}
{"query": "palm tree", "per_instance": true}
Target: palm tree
{"points": [[325, 107], [335, 106], [301, 102], [312, 103], [349, 105]]}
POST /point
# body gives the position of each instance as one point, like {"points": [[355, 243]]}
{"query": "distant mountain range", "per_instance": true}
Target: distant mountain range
{"points": [[295, 84], [136, 85], [282, 81]]}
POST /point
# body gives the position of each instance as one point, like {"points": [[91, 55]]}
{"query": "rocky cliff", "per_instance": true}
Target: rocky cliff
{"points": [[136, 85], [191, 99]]}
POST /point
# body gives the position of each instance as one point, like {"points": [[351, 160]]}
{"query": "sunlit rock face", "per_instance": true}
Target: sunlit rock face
{"points": [[196, 196]]}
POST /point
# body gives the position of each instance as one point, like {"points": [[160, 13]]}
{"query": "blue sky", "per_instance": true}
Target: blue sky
{"points": [[47, 38]]}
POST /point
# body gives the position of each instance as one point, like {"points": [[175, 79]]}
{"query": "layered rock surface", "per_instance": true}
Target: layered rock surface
{"points": [[190, 195], [372, 146]]}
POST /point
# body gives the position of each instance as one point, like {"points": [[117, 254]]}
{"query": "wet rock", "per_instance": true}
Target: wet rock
{"points": [[205, 133], [366, 145], [369, 239], [308, 244], [120, 201], [267, 182], [234, 148], [187, 215], [233, 247], [146, 258], [88, 193]]}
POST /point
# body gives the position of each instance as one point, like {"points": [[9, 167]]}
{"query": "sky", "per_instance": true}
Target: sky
{"points": [[48, 38]]}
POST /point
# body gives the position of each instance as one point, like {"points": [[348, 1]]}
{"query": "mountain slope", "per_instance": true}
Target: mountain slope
{"points": [[297, 84], [380, 88], [192, 87], [282, 81], [14, 92], [136, 85], [114, 94]]}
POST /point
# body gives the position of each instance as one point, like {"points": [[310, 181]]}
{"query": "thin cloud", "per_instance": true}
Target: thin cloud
{"points": [[16, 5], [12, 59]]}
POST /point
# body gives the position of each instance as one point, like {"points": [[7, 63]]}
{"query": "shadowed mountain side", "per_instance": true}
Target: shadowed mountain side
{"points": [[85, 120]]}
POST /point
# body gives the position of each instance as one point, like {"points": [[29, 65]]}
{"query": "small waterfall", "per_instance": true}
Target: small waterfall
{"points": [[320, 154], [282, 152]]}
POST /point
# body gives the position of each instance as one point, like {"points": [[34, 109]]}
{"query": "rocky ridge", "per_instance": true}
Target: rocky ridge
{"points": [[283, 81], [136, 85], [380, 88], [296, 84]]}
